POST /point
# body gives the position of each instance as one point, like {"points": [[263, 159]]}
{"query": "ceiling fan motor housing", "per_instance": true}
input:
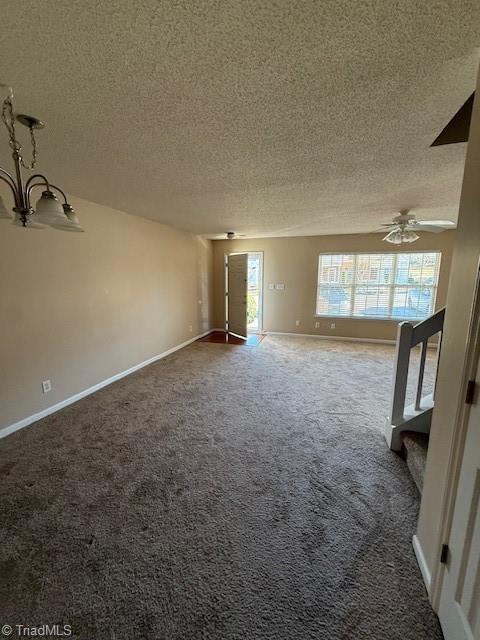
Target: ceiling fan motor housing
{"points": [[405, 218]]}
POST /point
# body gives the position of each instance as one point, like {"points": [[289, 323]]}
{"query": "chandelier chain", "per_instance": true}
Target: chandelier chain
{"points": [[9, 121]]}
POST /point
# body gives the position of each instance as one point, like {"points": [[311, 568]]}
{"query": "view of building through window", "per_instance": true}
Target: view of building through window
{"points": [[378, 285]]}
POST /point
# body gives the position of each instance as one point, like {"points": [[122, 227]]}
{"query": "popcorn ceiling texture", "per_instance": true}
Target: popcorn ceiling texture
{"points": [[223, 493], [270, 118]]}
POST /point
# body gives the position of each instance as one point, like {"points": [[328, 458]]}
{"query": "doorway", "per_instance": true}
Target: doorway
{"points": [[255, 293], [249, 288]]}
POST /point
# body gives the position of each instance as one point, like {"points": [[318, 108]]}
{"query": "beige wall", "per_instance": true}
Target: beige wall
{"points": [[294, 261], [457, 320], [79, 308]]}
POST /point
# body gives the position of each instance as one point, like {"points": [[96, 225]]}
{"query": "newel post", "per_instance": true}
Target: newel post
{"points": [[400, 376]]}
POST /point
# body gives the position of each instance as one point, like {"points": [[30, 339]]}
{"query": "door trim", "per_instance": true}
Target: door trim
{"points": [[260, 307], [422, 563], [458, 444]]}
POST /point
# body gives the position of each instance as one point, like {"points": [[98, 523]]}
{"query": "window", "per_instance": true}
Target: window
{"points": [[396, 286]]}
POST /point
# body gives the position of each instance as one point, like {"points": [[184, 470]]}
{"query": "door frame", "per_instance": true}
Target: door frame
{"points": [[225, 288], [458, 444]]}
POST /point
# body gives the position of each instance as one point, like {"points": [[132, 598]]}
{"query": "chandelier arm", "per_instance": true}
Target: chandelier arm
{"points": [[42, 184], [9, 175], [29, 186], [37, 175], [11, 184], [54, 186]]}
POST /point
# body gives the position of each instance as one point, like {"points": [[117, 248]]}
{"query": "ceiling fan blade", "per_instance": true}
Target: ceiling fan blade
{"points": [[389, 227], [426, 227], [388, 232], [438, 223]]}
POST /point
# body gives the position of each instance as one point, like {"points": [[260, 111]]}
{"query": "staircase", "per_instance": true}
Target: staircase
{"points": [[415, 418], [414, 450]]}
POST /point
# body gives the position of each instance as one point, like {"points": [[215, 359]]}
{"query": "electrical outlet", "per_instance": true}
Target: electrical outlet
{"points": [[317, 325], [332, 326], [190, 328], [297, 322], [46, 386]]}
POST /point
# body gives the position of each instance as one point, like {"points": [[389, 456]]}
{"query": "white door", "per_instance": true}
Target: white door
{"points": [[237, 266], [460, 598]]}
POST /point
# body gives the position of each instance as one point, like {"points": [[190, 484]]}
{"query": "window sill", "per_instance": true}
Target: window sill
{"points": [[382, 318]]}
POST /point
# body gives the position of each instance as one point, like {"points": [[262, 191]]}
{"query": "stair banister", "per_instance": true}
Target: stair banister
{"points": [[417, 417]]}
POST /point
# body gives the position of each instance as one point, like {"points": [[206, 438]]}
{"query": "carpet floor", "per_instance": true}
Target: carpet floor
{"points": [[224, 493]]}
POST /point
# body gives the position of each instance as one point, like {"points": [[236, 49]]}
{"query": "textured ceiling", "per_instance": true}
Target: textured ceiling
{"points": [[268, 118]]}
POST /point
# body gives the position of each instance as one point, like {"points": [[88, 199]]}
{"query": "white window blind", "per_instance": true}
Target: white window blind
{"points": [[396, 286]]}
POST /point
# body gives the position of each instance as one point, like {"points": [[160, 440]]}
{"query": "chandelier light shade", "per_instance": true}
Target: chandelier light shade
{"points": [[48, 211], [69, 221]]}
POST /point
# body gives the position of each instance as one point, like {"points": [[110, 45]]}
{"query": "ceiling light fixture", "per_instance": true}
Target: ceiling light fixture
{"points": [[399, 236], [403, 227], [48, 210]]}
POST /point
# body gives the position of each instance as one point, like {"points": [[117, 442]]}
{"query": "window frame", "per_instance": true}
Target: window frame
{"points": [[353, 286]]}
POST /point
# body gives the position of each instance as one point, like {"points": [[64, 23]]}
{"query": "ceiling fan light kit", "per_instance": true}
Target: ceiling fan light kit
{"points": [[48, 211], [398, 236], [405, 226]]}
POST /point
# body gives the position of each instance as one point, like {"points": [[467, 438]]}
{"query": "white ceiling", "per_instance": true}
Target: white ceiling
{"points": [[268, 118]]}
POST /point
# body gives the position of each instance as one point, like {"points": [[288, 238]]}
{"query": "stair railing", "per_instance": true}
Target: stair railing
{"points": [[408, 337]]}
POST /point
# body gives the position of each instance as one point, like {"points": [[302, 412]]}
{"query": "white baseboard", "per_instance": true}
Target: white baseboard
{"points": [[427, 578], [321, 337], [86, 392]]}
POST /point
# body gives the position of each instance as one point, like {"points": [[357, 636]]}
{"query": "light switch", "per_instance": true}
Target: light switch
{"points": [[271, 286], [280, 287]]}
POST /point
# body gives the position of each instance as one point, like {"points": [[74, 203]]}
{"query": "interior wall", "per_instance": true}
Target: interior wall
{"points": [[294, 262], [78, 308], [449, 395]]}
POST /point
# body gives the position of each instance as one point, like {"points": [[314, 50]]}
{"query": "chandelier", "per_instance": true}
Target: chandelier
{"points": [[48, 211]]}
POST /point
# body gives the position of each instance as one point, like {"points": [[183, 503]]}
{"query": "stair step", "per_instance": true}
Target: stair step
{"points": [[415, 447]]}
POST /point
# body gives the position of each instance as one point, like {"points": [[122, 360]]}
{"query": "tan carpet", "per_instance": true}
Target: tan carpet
{"points": [[224, 492]]}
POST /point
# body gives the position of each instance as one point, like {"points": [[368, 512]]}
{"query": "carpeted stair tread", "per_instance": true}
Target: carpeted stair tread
{"points": [[415, 447]]}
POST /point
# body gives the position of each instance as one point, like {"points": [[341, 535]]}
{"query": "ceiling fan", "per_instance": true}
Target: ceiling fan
{"points": [[228, 235], [405, 225]]}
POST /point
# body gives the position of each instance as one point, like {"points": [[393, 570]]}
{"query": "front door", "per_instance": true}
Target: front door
{"points": [[460, 598], [237, 268]]}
